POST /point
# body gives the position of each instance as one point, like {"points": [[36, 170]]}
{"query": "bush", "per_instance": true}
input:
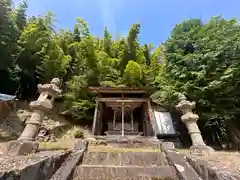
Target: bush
{"points": [[78, 134]]}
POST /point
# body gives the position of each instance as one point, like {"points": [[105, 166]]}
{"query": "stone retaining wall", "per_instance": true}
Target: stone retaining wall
{"points": [[42, 168]]}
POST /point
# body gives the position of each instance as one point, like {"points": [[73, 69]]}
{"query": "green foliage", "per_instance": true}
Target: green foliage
{"points": [[199, 60], [203, 64], [79, 134], [129, 47], [132, 74]]}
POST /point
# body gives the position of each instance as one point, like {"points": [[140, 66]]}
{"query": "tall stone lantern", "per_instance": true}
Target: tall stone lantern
{"points": [[190, 120], [25, 143], [44, 103]]}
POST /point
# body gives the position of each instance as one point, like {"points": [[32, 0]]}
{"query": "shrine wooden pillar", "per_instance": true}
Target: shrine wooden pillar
{"points": [[100, 118], [132, 121], [95, 118], [122, 118], [114, 119], [151, 118]]}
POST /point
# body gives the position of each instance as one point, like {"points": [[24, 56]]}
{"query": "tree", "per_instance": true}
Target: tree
{"points": [[107, 42], [130, 47], [202, 63], [83, 28], [76, 34], [20, 16], [9, 35], [132, 74]]}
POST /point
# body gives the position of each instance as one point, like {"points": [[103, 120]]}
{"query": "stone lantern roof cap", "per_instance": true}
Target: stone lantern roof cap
{"points": [[53, 87], [56, 81], [184, 104], [189, 117]]}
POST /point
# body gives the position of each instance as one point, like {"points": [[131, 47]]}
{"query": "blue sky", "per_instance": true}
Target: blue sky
{"points": [[157, 17]]}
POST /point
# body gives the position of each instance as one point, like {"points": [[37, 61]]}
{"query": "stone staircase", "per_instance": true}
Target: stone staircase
{"points": [[119, 160], [109, 165]]}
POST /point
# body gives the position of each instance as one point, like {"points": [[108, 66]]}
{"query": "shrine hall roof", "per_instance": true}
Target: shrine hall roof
{"points": [[117, 90]]}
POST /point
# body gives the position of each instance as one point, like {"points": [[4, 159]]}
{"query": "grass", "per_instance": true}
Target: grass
{"points": [[69, 144], [65, 139], [184, 151], [60, 145]]}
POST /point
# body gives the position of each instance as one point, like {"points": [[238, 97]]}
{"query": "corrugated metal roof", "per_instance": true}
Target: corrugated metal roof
{"points": [[5, 97]]}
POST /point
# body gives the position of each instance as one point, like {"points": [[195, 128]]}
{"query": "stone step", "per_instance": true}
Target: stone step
{"points": [[125, 158], [129, 141], [97, 172], [107, 148]]}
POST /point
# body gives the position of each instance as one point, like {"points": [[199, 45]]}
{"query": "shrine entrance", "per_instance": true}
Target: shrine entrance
{"points": [[127, 115]]}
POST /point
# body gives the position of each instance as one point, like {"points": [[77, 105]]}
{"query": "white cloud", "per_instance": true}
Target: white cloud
{"points": [[108, 16], [109, 10]]}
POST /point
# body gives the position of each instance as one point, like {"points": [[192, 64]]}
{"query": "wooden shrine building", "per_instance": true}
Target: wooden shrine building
{"points": [[122, 111]]}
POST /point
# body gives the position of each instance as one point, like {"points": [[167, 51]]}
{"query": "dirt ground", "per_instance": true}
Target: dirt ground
{"points": [[2, 147], [224, 161]]}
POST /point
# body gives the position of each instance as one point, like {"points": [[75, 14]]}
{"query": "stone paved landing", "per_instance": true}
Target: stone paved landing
{"points": [[126, 158], [129, 141], [124, 166]]}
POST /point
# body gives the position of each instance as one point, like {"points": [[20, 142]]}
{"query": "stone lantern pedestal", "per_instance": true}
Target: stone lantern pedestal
{"points": [[190, 120], [44, 103]]}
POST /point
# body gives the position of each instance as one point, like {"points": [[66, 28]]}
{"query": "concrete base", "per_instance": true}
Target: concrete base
{"points": [[18, 148], [129, 141], [81, 144], [200, 149], [167, 146]]}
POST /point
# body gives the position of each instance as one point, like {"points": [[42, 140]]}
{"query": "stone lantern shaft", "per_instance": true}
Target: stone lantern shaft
{"points": [[44, 103], [190, 119]]}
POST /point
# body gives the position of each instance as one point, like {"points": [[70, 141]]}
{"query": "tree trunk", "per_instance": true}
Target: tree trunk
{"points": [[234, 133]]}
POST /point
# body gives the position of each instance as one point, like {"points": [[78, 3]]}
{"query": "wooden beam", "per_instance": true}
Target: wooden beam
{"points": [[117, 90], [123, 100]]}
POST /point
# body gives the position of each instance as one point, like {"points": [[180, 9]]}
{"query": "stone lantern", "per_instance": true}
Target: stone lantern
{"points": [[190, 120], [44, 103], [25, 143]]}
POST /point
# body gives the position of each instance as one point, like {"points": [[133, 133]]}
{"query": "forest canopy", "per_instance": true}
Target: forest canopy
{"points": [[199, 60]]}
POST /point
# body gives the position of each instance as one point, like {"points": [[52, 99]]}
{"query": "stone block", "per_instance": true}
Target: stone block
{"points": [[67, 168], [125, 158], [184, 171], [81, 144], [167, 146], [44, 105], [97, 172], [17, 148], [39, 166], [133, 142], [200, 149]]}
